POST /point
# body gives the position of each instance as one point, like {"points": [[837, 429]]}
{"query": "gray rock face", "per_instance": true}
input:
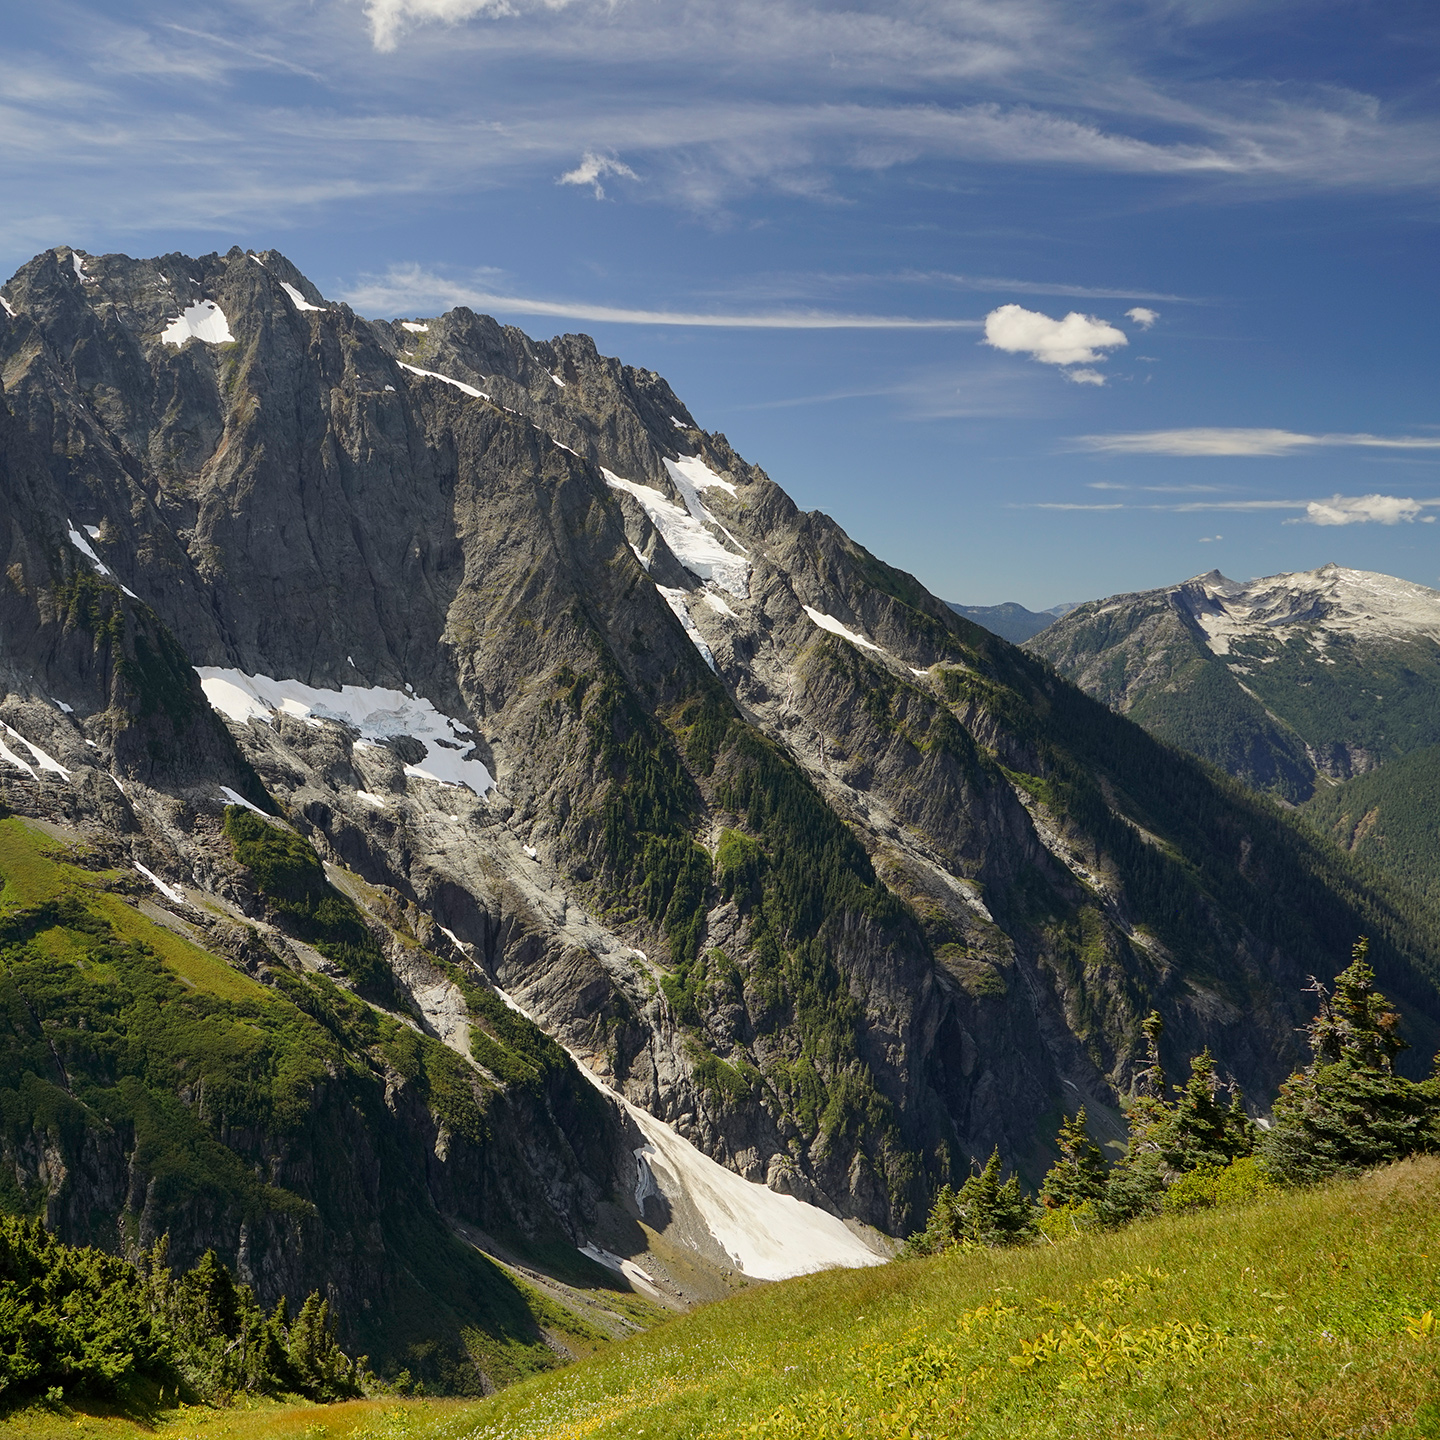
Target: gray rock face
{"points": [[847, 896]]}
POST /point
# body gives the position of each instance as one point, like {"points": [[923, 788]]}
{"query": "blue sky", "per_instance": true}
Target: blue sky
{"points": [[850, 236]]}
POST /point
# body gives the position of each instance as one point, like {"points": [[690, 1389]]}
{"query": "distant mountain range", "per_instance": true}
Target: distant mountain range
{"points": [[1322, 687], [1010, 621]]}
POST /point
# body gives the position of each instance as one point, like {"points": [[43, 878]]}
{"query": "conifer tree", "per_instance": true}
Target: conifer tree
{"points": [[1079, 1174], [985, 1211], [1348, 1110]]}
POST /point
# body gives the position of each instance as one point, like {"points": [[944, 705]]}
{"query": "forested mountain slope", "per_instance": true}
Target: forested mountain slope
{"points": [[1311, 686], [582, 716]]}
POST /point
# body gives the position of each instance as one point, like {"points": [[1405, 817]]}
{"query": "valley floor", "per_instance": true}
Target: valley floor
{"points": [[1311, 1314]]}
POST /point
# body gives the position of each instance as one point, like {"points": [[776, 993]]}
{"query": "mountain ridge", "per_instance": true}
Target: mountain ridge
{"points": [[840, 887]]}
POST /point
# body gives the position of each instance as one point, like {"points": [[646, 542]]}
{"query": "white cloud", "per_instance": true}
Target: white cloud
{"points": [[410, 290], [1364, 509], [590, 170], [389, 19], [1077, 339], [1143, 316], [1337, 510], [1215, 440]]}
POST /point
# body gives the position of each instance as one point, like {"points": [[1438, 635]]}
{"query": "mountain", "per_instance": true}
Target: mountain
{"points": [[1009, 621], [1287, 683], [481, 851]]}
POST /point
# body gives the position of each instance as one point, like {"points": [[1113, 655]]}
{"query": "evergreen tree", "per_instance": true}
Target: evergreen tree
{"points": [[985, 1211], [1079, 1174], [1197, 1129], [1348, 1110]]}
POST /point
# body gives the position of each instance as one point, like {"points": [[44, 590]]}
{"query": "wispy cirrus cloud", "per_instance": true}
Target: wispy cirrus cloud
{"points": [[1337, 510], [412, 290], [1216, 440]]}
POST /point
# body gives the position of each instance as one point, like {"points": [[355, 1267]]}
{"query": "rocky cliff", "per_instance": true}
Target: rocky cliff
{"points": [[584, 716]]}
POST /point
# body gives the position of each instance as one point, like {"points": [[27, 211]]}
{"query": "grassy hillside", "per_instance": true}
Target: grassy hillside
{"points": [[126, 1048], [1310, 1314]]}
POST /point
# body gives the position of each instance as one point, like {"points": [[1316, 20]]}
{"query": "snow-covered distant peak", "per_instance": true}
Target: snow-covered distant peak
{"points": [[378, 714], [301, 303], [1332, 600], [204, 321]]}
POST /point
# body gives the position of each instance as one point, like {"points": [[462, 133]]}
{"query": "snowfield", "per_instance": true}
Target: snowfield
{"points": [[205, 321], [675, 599], [696, 548], [378, 714]]}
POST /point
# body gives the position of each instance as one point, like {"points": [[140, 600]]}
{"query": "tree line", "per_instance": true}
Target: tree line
{"points": [[1194, 1145], [76, 1320]]}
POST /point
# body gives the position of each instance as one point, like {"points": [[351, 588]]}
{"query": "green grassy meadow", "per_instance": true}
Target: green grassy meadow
{"points": [[1307, 1314]]}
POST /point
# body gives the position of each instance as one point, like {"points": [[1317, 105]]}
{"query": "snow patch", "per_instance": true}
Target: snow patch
{"points": [[455, 940], [44, 761], [205, 321], [83, 546], [6, 304], [378, 801], [80, 273], [718, 604], [10, 757], [168, 891], [692, 471], [378, 714], [234, 797], [644, 563], [531, 852], [93, 531], [700, 552], [60, 704], [768, 1236], [678, 424], [640, 1279], [830, 623], [458, 384], [301, 303], [414, 327], [557, 380], [675, 599]]}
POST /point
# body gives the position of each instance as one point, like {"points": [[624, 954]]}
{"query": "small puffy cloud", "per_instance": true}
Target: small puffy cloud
{"points": [[1364, 509], [1143, 316], [592, 168], [1076, 340], [1085, 377]]}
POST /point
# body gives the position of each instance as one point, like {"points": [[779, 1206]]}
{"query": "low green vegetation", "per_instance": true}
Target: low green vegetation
{"points": [[1304, 1315], [289, 875], [124, 1047], [78, 1322]]}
